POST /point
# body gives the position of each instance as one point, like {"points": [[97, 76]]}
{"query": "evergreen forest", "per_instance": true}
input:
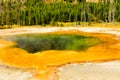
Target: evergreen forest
{"points": [[37, 12]]}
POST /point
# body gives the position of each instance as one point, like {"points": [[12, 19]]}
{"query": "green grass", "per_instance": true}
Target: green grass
{"points": [[35, 43]]}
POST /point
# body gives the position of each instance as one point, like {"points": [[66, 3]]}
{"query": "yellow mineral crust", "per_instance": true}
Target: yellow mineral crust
{"points": [[108, 50], [42, 60]]}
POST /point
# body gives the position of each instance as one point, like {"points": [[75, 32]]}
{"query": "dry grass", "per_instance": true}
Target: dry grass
{"points": [[86, 24], [73, 24]]}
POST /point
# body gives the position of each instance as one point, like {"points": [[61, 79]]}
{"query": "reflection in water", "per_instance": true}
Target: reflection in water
{"points": [[35, 43]]}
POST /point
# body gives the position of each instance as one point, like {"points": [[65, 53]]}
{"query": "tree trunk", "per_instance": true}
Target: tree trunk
{"points": [[111, 17]]}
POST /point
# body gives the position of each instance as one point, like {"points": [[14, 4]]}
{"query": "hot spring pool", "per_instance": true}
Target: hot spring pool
{"points": [[41, 42]]}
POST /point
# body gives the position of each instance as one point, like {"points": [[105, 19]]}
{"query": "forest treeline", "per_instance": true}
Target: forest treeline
{"points": [[36, 12]]}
